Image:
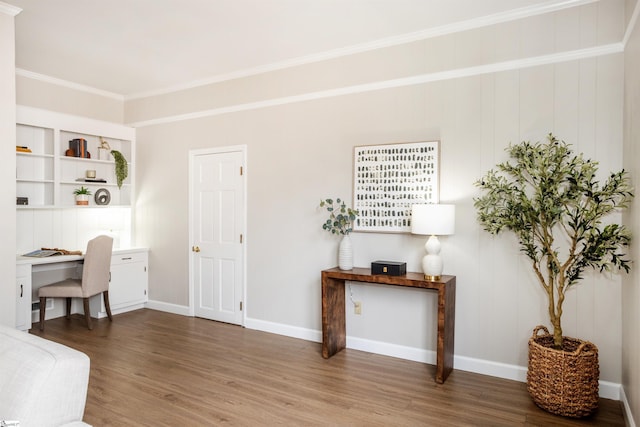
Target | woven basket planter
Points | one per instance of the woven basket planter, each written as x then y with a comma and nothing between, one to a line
563,382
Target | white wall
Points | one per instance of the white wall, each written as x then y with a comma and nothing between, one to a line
300,138
43,93
631,283
7,165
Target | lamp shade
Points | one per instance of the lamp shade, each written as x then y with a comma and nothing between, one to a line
433,219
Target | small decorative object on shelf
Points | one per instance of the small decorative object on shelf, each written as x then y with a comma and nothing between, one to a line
82,195
90,180
122,171
121,167
340,221
389,268
22,149
103,150
22,200
79,148
102,197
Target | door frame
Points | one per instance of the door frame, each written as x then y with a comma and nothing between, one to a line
192,155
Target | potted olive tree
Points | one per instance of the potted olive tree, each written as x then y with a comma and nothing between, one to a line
553,202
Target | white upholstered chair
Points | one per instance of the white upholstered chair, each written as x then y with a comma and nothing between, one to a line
95,280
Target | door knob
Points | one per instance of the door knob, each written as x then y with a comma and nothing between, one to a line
195,248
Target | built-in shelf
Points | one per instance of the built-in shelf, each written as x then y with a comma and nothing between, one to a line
47,176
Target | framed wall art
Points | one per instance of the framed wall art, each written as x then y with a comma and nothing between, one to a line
388,179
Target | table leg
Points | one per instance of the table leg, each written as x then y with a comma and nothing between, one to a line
334,334
446,329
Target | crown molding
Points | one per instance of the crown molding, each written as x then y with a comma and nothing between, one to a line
517,64
9,9
521,13
67,84
498,18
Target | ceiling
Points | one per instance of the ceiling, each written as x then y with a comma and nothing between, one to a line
135,47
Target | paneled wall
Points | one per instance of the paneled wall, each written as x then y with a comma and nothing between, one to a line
301,153
71,228
630,354
474,91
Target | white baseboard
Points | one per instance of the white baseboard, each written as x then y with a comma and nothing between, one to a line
169,308
608,390
491,368
628,415
122,310
286,330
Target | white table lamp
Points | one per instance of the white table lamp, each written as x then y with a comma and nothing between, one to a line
433,220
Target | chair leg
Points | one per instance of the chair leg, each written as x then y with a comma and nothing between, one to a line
43,308
105,296
87,313
68,308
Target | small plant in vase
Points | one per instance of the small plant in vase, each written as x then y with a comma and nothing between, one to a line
122,169
82,195
121,166
340,222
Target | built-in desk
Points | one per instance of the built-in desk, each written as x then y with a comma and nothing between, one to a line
55,259
333,310
127,287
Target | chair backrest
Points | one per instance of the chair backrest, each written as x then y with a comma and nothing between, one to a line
97,266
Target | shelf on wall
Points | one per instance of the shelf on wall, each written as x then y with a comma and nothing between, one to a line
57,207
45,175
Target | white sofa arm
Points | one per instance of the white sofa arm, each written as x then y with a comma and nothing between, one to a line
42,383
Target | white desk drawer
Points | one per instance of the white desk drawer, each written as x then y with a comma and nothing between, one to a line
127,258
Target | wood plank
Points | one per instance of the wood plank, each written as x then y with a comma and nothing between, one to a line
410,279
160,369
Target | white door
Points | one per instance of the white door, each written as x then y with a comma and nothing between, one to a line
217,222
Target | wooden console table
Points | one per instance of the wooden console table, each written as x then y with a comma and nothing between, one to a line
334,334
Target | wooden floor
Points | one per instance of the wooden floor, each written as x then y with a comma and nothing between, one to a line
150,368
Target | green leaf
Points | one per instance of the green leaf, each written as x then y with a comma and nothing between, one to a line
341,217
552,201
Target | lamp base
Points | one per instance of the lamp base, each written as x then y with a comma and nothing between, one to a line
432,262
